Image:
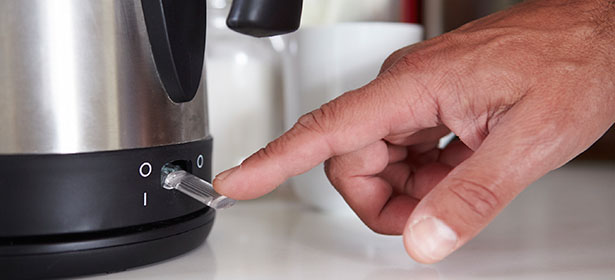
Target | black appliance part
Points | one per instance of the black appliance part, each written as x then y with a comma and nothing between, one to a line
176,31
97,212
107,252
263,18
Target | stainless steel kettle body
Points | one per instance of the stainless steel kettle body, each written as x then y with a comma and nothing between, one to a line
80,76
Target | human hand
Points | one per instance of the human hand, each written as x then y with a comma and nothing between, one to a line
526,90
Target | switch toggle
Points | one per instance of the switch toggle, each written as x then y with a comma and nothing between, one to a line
174,178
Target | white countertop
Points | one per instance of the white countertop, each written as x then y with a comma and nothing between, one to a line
561,227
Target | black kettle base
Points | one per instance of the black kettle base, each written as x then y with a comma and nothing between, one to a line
64,215
105,252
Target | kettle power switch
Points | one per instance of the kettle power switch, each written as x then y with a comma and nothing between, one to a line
195,187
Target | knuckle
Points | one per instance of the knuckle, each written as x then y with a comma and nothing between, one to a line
373,223
393,57
264,153
425,56
317,121
377,228
272,148
309,122
338,169
412,62
389,61
478,197
332,170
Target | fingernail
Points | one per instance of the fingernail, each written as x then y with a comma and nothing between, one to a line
226,174
431,239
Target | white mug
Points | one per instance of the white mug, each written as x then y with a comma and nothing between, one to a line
322,62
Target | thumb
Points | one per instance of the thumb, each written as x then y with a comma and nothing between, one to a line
518,151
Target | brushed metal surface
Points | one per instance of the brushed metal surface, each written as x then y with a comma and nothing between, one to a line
78,76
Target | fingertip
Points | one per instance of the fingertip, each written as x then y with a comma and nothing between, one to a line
223,175
237,183
221,185
428,239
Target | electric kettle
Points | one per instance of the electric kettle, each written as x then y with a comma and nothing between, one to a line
97,96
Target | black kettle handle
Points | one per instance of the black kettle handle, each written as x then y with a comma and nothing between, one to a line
263,18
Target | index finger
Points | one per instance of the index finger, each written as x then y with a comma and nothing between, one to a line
345,124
